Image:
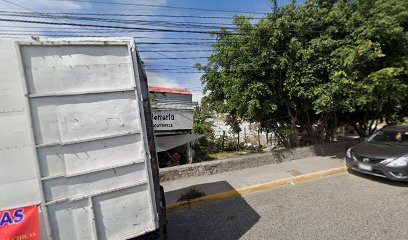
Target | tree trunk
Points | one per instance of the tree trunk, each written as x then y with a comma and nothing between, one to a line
310,132
360,131
294,134
259,139
238,139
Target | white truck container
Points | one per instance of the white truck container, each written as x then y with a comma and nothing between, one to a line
77,138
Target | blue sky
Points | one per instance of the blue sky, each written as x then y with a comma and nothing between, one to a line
161,72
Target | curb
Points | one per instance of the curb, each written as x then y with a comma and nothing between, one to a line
249,161
239,192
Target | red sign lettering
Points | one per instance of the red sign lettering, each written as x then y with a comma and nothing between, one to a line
20,223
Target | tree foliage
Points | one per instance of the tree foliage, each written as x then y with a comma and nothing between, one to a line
322,61
203,146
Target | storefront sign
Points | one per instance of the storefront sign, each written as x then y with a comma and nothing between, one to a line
173,120
20,223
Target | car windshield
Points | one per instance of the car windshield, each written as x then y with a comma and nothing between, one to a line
390,137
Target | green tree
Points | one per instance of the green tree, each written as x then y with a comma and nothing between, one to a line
204,145
328,61
200,123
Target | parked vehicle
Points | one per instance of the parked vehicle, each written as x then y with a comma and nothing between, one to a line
383,154
77,140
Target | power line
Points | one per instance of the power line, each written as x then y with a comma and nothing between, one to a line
143,29
54,35
68,33
158,58
60,30
55,28
147,15
202,71
196,25
173,73
178,51
185,38
126,20
175,43
158,48
51,35
107,26
167,69
162,65
139,43
162,54
79,34
161,6
31,10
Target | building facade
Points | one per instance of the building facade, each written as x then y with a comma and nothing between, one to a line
173,113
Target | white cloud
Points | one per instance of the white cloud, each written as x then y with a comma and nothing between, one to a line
159,80
66,5
197,96
14,29
162,81
51,6
37,5
194,84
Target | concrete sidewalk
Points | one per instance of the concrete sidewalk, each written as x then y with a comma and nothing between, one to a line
238,179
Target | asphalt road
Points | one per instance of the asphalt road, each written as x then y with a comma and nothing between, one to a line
341,206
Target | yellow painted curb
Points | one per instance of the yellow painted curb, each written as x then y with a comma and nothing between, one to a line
239,192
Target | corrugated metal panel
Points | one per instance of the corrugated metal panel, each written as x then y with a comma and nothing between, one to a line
18,183
81,158
67,119
10,80
169,90
107,215
88,133
19,193
69,69
75,216
67,79
171,101
92,184
73,55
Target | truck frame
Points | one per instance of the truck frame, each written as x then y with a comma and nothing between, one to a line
77,138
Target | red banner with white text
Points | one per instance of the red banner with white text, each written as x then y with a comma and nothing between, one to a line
20,224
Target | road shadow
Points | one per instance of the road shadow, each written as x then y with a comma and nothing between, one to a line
210,220
207,188
378,179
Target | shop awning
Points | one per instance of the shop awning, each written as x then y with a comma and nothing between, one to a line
169,142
